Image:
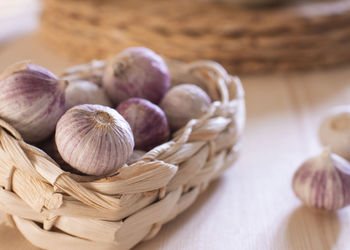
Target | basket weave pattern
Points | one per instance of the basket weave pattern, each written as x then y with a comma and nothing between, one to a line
54,209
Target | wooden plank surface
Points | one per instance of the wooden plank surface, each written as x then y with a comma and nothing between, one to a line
252,206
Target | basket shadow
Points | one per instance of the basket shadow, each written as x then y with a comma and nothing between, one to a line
311,229
178,222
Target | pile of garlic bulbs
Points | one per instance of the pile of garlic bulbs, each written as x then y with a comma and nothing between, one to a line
95,128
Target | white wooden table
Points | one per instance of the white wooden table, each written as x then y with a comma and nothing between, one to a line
252,206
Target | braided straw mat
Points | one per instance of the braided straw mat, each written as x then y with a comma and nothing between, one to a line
54,209
295,36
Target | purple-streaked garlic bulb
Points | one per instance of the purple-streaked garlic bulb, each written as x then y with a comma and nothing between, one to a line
323,182
183,103
147,121
32,100
136,72
94,139
84,92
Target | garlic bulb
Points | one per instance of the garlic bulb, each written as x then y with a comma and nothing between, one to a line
183,103
94,139
136,72
84,92
32,100
334,131
323,182
147,121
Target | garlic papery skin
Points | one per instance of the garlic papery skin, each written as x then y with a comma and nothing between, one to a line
32,100
94,139
136,72
84,92
183,103
323,182
334,131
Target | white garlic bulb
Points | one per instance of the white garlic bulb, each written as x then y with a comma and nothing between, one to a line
84,92
31,100
94,139
183,103
334,131
323,182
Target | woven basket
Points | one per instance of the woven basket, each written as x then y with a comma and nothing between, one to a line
54,209
296,36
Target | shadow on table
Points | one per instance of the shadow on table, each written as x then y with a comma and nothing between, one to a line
170,228
311,229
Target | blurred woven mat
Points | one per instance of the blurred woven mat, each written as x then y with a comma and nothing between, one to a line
296,36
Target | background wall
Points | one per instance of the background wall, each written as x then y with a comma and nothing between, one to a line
17,17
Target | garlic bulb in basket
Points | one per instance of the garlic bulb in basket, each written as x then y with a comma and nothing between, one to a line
84,92
147,121
183,103
136,72
32,100
94,139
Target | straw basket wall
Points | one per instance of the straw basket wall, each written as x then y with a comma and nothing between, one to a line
54,209
296,36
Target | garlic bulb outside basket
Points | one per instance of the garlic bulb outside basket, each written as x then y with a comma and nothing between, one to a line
94,139
323,182
334,131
